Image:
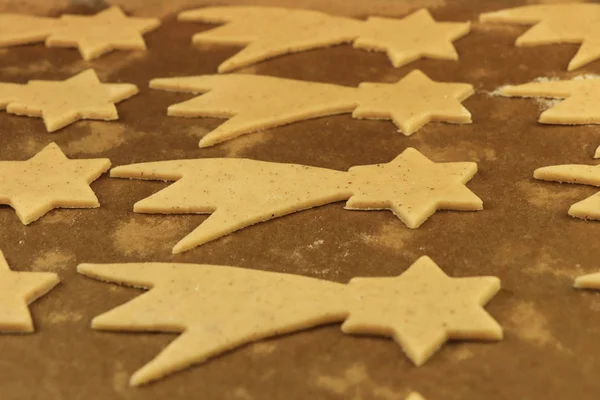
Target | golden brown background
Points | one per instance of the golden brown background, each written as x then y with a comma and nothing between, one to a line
524,236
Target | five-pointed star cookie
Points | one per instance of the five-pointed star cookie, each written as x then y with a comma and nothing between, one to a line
580,174
49,180
17,290
268,32
589,281
219,308
93,35
61,103
581,104
255,103
557,23
96,35
241,192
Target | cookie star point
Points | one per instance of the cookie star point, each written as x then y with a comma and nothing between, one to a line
49,180
17,290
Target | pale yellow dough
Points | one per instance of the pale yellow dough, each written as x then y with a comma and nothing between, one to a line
17,290
93,35
60,103
242,192
581,104
580,174
557,23
219,308
415,396
49,180
255,103
597,152
590,281
267,32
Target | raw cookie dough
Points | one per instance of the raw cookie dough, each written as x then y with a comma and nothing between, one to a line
17,290
49,180
590,281
242,192
93,35
267,32
580,174
220,308
556,23
60,103
581,104
597,152
255,103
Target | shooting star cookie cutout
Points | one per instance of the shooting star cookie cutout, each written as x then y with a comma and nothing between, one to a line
420,309
580,174
556,23
253,103
267,32
242,192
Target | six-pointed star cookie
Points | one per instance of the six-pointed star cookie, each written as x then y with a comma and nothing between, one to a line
254,102
581,104
420,309
61,103
580,174
269,31
411,38
95,35
414,101
49,180
17,290
557,23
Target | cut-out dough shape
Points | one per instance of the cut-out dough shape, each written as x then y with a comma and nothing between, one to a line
243,192
580,174
581,104
256,102
556,23
219,308
590,281
597,153
267,32
93,35
415,396
60,103
47,181
17,291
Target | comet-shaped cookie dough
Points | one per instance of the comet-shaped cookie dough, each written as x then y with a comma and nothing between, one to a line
220,308
254,103
267,32
557,23
581,104
580,174
241,192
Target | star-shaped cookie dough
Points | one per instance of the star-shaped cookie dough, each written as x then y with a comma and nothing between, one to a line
93,35
589,281
254,102
557,23
580,174
423,308
242,192
414,101
49,180
17,290
269,31
411,38
219,308
413,187
581,104
60,103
